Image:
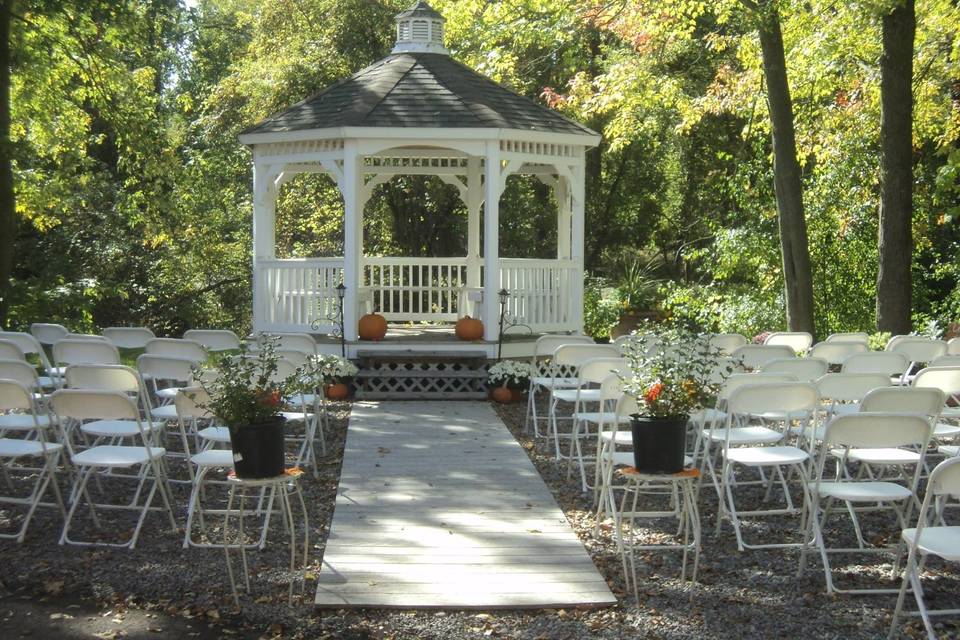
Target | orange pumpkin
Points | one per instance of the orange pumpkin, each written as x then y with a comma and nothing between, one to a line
336,391
468,328
502,395
373,326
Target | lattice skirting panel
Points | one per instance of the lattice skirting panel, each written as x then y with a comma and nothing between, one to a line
423,380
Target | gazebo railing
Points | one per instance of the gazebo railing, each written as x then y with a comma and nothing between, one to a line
415,289
299,294
541,292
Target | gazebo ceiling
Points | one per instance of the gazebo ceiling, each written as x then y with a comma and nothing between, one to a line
419,89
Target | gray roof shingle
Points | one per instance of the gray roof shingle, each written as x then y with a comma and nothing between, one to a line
418,90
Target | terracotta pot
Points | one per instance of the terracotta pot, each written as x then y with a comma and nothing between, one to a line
506,395
468,328
372,326
336,391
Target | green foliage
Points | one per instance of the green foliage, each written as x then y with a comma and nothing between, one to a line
601,309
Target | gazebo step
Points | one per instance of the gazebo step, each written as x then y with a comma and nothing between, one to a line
403,373
421,395
422,375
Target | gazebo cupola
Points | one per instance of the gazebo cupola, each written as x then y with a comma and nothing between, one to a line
420,29
419,112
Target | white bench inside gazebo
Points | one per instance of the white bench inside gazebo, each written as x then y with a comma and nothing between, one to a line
419,112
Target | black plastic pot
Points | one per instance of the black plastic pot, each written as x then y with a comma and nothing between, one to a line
659,444
258,450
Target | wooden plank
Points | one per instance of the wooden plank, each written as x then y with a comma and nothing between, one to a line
440,507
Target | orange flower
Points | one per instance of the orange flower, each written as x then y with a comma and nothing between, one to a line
653,393
271,399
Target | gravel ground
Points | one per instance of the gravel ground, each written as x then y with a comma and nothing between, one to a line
754,594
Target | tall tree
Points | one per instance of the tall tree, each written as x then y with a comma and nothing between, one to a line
8,220
797,279
894,281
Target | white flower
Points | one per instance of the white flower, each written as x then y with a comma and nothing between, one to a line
509,373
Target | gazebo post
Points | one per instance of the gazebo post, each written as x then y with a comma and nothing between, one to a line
577,205
561,192
491,239
474,202
264,234
353,202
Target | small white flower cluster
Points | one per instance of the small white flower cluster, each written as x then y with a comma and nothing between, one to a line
509,373
332,368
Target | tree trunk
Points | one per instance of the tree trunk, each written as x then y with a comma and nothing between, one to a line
8,220
797,280
895,242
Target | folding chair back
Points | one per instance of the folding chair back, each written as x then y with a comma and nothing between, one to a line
285,369
953,347
192,402
85,336
48,334
546,345
894,340
166,367
596,370
754,356
947,379
805,369
850,336
103,377
877,430
27,343
920,349
294,356
177,348
20,371
726,343
303,342
129,337
797,340
70,351
791,398
214,339
10,350
574,355
850,387
837,351
946,361
87,404
737,380
926,402
14,396
626,406
885,362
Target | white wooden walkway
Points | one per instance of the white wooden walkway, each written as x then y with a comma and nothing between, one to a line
439,507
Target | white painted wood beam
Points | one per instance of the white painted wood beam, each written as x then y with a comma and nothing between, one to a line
493,186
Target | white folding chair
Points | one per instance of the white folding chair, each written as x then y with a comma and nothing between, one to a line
19,412
850,336
542,377
564,387
11,351
177,348
31,347
300,409
755,356
214,339
804,369
891,364
128,337
302,342
726,343
926,539
946,361
841,393
918,351
47,333
82,351
861,431
785,402
83,404
947,380
799,341
837,351
114,378
179,373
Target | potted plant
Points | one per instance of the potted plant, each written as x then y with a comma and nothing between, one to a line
247,397
508,379
673,372
638,292
335,373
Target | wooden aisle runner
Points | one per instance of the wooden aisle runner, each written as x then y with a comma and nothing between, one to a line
439,506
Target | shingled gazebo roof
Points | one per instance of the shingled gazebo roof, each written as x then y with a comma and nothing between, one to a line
418,90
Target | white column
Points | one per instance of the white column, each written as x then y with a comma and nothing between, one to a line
578,197
474,202
561,193
352,190
264,237
491,241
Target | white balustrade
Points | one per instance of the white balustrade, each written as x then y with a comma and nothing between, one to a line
415,289
299,294
541,292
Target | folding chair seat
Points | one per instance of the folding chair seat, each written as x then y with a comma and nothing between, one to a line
918,351
129,337
927,539
214,340
836,352
799,341
47,333
863,431
84,404
565,385
753,357
726,343
850,336
16,400
804,369
543,377
787,401
177,348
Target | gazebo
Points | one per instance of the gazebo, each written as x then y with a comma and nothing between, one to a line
419,112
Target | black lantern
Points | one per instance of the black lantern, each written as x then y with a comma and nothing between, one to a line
341,291
503,294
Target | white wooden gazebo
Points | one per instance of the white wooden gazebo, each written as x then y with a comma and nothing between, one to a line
419,112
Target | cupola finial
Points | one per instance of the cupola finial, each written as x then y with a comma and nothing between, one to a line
420,30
